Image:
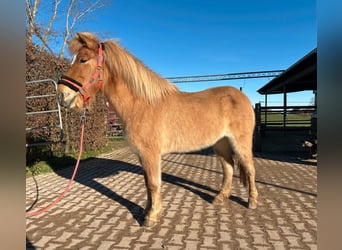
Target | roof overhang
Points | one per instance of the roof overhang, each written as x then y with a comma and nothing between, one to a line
301,76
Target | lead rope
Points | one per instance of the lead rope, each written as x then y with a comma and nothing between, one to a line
83,120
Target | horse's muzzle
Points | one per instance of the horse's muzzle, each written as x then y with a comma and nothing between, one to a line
64,101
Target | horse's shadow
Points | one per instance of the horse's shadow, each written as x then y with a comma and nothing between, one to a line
88,174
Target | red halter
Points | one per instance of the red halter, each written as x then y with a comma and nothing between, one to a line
83,89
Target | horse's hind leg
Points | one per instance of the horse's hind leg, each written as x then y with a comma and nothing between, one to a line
224,152
248,165
247,172
152,175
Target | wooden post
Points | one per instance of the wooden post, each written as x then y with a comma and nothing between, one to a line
285,111
265,110
257,130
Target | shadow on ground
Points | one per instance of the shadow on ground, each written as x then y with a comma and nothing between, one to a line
111,167
114,167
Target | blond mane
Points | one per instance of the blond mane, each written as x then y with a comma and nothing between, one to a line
142,81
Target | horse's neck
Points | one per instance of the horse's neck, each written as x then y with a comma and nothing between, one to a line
122,99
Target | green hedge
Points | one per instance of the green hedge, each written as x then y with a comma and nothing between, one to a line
42,65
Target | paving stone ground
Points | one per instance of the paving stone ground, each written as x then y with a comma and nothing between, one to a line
103,209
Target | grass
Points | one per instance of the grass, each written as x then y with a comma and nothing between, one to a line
55,162
292,120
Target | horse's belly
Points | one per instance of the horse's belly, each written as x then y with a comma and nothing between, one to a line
192,137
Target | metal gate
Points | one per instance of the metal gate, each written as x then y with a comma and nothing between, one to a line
115,125
48,112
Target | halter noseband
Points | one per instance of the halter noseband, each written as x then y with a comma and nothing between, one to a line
77,86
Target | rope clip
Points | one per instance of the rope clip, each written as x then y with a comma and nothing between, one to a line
83,116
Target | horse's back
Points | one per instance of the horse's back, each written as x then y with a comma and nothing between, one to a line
222,101
199,119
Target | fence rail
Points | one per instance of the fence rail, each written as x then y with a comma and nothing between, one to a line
285,118
115,125
45,111
302,119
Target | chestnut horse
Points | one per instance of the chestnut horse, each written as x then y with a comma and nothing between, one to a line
158,118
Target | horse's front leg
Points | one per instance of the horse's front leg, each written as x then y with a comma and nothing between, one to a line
152,175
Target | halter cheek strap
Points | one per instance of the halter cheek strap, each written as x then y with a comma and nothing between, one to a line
83,89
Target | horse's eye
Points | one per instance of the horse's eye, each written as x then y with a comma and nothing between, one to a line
82,60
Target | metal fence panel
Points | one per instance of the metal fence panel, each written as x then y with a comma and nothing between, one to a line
32,114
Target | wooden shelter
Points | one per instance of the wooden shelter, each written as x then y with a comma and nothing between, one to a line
301,76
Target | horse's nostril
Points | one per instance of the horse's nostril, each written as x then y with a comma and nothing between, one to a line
60,98
65,99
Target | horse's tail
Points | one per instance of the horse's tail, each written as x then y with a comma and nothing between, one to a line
243,175
240,164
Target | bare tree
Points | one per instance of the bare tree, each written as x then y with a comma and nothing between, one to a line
52,19
31,11
69,12
75,13
33,27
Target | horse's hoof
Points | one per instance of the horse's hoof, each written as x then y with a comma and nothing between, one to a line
220,198
149,223
252,204
217,200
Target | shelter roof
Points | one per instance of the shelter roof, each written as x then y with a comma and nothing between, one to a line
301,76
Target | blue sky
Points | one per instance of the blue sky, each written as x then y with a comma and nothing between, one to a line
188,37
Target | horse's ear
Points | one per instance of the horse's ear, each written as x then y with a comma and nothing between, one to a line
81,39
88,40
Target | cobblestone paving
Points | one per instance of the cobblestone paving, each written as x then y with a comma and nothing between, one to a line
103,209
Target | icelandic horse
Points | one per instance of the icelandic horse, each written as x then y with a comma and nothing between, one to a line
158,118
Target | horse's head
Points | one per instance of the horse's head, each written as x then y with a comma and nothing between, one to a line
79,85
